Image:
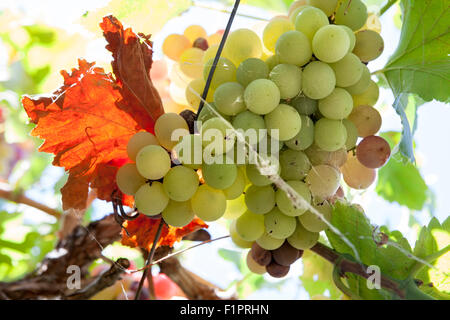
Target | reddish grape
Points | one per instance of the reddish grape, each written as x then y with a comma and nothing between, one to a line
373,152
276,270
260,255
201,43
286,254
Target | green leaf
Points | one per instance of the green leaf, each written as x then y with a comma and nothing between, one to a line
232,256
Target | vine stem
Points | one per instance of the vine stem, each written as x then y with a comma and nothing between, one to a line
386,7
22,199
228,11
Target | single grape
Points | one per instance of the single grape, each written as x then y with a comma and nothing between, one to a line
178,214
348,70
272,61
153,162
273,30
330,135
138,141
229,98
294,165
309,20
369,45
312,222
248,120
352,13
151,199
305,137
332,158
294,13
294,47
235,207
189,151
174,45
356,175
180,183
220,174
303,239
286,120
373,152
194,32
262,96
128,179
367,120
236,238
266,241
279,225
253,266
368,97
286,254
250,226
208,204
225,72
201,43
276,270
260,200
169,128
191,62
318,80
238,186
331,43
352,134
323,181
260,255
304,105
337,106
288,79
362,84
242,44
288,205
327,6
251,69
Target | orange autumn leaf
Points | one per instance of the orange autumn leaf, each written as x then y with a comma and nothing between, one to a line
142,231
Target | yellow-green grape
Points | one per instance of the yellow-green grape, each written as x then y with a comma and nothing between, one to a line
330,135
250,226
305,137
189,151
312,222
169,128
288,79
272,61
368,97
331,43
367,120
191,62
266,241
180,183
238,186
138,141
323,181
279,225
217,128
260,200
153,162
309,20
261,96
248,120
128,179
242,44
352,13
174,45
294,47
194,32
209,204
255,176
273,30
318,80
236,238
151,199
294,164
337,106
229,98
210,111
362,84
356,175
194,91
287,205
294,13
253,266
304,105
327,6
352,134
225,72
235,208
303,239
178,214
220,175
286,120
318,156
210,53
251,69
348,70
351,36
369,45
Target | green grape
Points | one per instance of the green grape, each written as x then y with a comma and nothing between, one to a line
220,175
138,141
191,62
309,20
292,207
169,128
210,53
318,156
304,105
209,204
266,241
178,214
337,106
225,72
327,6
330,44
279,225
318,80
348,70
262,96
258,179
329,135
250,70
229,98
151,199
210,111
351,36
369,45
128,179
312,222
260,200
294,47
351,13
153,162
217,135
189,151
303,239
253,266
367,120
248,120
242,44
236,238
235,208
305,137
288,79
352,134
238,186
323,181
180,183
294,165
194,91
273,30
368,97
250,226
362,84
272,61
294,13
286,120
